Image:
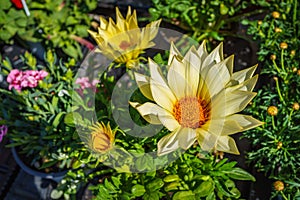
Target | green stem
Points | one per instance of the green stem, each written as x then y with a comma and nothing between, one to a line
201,37
273,123
279,92
291,113
283,195
276,66
282,60
236,18
295,15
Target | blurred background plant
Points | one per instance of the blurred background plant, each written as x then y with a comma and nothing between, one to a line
205,19
276,144
60,25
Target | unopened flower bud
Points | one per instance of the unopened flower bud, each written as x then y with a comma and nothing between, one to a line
259,22
275,78
278,185
278,30
293,53
275,14
298,72
296,106
273,57
295,69
272,110
283,45
279,145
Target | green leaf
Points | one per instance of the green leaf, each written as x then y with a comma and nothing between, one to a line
223,9
109,186
4,5
239,174
138,190
56,194
116,181
186,195
22,22
48,164
57,119
204,189
155,185
71,20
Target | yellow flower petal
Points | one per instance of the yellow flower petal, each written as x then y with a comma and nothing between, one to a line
162,95
243,75
143,83
168,143
227,144
173,52
214,57
245,121
186,137
156,73
202,52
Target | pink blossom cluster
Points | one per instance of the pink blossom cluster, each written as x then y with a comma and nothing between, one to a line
21,79
85,83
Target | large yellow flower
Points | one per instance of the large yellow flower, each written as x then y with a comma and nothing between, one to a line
123,41
198,100
102,138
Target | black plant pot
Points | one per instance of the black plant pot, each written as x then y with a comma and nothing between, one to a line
55,176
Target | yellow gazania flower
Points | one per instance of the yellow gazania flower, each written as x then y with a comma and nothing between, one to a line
123,41
102,138
198,100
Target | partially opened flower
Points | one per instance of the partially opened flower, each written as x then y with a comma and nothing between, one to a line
198,100
102,138
124,41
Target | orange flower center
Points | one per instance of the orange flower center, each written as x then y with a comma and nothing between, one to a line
124,45
191,112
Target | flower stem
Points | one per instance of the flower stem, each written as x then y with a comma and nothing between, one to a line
283,195
276,66
282,60
279,92
273,123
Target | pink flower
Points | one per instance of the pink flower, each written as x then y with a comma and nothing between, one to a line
85,83
30,78
29,81
3,131
14,79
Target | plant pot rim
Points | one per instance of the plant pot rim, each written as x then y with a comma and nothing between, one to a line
56,176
